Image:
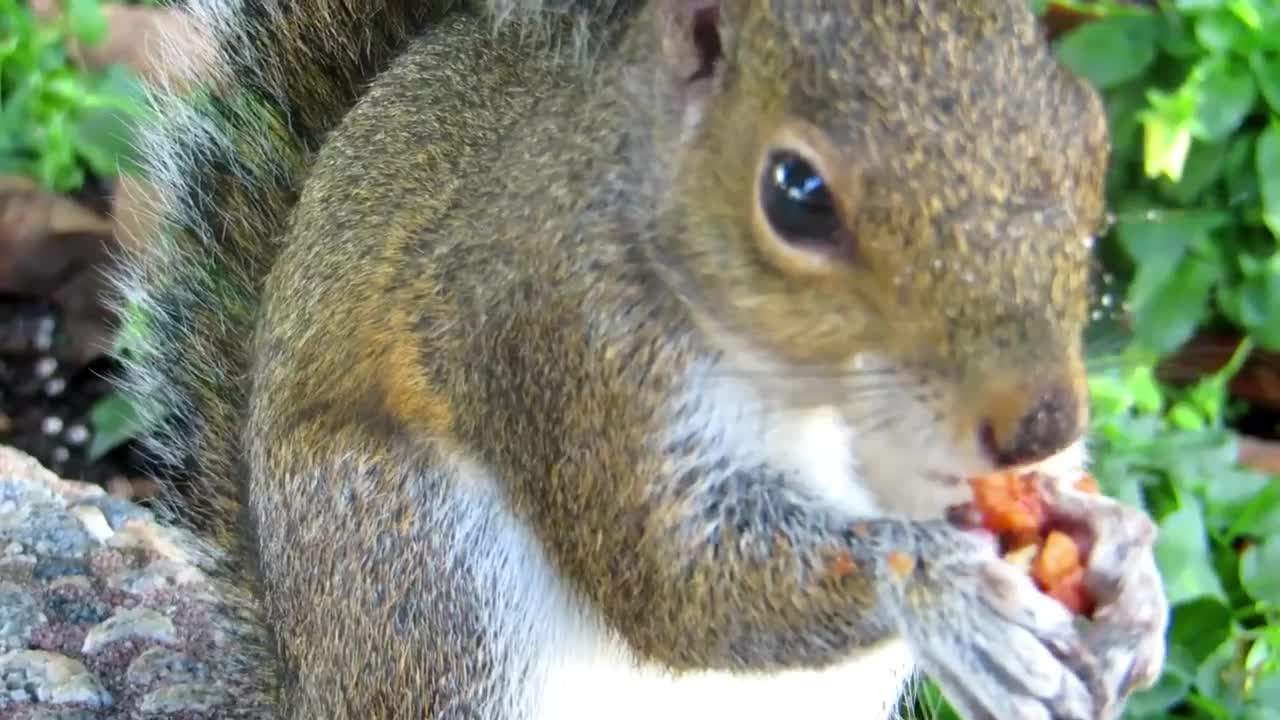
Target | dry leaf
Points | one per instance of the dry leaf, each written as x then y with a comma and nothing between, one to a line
52,247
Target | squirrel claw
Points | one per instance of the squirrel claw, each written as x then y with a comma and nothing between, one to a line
1128,629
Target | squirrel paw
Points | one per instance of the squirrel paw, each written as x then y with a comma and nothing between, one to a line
1002,650
1127,633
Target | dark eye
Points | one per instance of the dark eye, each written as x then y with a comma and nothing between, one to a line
796,201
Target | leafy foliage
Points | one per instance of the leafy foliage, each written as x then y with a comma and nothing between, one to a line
59,123
1192,88
1193,93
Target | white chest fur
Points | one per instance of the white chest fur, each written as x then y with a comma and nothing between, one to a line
604,684
587,673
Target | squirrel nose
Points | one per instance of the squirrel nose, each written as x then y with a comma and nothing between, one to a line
1019,431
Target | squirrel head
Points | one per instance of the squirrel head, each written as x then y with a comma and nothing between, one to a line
886,207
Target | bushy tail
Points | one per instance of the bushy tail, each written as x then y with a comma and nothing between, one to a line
224,162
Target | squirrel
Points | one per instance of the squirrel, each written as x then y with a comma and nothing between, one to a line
614,359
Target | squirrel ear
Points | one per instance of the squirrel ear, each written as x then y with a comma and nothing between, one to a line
689,40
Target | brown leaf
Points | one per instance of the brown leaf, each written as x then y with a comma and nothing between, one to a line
53,248
1259,454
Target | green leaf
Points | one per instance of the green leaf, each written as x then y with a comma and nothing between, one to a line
1112,50
1226,94
1260,571
1262,712
87,20
1266,73
1239,172
1167,125
1268,168
1170,690
1190,6
1260,302
1218,679
1177,308
115,421
1192,458
1199,627
1156,248
1224,32
1267,693
1244,502
1202,168
1182,553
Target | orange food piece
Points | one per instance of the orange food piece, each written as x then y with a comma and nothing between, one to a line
1057,559
1072,592
1087,484
901,564
1010,507
843,565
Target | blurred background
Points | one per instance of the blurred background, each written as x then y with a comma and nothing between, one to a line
1185,352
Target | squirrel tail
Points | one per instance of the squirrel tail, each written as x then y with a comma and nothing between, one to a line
223,162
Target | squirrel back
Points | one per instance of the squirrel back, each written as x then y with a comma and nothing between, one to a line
224,164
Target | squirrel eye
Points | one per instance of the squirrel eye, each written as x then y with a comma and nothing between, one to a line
796,201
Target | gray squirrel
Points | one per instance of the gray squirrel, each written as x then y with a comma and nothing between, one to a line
620,359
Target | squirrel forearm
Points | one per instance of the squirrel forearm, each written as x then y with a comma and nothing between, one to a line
747,573
742,569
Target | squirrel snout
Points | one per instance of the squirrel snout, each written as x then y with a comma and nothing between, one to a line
1019,428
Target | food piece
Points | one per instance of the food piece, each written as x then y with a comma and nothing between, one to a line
1008,505
843,565
1087,484
1072,592
1057,558
901,564
1024,557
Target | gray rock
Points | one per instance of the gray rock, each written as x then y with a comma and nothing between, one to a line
63,714
20,614
184,697
75,610
48,677
48,530
157,575
50,568
177,651
132,624
165,666
118,512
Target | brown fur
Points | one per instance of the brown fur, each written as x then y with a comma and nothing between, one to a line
505,259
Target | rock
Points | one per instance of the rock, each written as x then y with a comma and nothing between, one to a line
158,575
134,624
73,609
46,530
118,513
105,614
48,677
164,666
63,714
58,567
20,614
94,522
184,697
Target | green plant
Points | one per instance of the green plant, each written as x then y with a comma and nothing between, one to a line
1174,454
59,123
1193,92
1192,88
